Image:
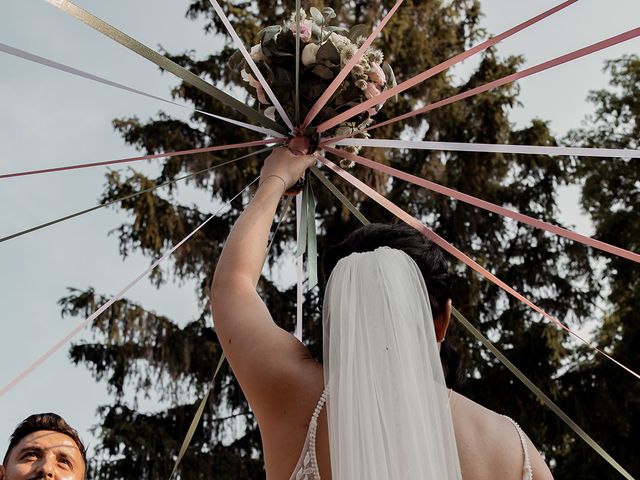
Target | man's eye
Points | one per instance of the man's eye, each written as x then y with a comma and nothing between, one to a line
30,454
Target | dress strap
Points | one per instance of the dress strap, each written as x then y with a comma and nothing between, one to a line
313,429
527,473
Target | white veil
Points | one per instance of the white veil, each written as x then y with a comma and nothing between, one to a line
388,408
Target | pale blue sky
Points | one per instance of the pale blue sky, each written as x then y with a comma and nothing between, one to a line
49,118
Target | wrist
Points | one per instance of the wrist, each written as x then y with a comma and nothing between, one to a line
272,181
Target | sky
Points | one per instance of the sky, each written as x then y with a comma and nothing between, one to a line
49,118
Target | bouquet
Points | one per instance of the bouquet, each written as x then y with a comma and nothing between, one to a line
325,49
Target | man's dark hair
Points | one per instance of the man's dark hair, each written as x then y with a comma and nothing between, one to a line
45,421
430,260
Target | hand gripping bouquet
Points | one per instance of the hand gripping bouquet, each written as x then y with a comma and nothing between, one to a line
325,49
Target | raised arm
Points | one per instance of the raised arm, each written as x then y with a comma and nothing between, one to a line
263,357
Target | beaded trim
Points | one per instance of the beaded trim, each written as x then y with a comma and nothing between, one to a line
527,473
313,428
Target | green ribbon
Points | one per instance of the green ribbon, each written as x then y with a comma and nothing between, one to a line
307,237
494,350
339,195
540,394
163,62
196,420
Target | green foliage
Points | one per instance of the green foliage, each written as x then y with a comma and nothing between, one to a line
150,353
605,399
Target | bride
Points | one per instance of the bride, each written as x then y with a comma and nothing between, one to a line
379,408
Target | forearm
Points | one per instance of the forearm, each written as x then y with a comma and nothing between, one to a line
243,254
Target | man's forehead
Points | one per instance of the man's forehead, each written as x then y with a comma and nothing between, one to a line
48,439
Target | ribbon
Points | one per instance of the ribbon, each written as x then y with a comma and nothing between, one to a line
16,52
540,394
307,240
378,99
435,238
486,147
297,92
324,98
596,47
252,64
513,369
299,268
163,62
196,419
192,151
339,195
127,197
58,345
476,202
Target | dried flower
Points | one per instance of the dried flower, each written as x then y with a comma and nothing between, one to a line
309,53
371,90
256,53
250,79
376,74
270,112
340,41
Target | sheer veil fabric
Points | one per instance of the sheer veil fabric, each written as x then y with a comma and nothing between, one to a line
388,408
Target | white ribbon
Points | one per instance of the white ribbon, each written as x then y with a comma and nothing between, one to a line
489,148
16,52
252,64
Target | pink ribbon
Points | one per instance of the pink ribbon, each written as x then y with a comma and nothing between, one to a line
609,42
477,202
145,157
431,235
437,69
324,98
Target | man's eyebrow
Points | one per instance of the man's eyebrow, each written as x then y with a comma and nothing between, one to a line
30,447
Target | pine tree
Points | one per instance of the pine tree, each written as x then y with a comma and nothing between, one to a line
604,398
135,346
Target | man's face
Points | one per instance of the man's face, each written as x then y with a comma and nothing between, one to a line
44,455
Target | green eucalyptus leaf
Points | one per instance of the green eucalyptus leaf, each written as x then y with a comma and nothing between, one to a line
317,16
328,13
391,78
269,36
272,28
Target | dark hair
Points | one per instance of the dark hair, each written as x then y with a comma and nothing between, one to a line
430,260
45,421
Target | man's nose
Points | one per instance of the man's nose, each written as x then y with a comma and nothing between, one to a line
47,467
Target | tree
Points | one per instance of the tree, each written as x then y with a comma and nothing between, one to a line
611,197
135,346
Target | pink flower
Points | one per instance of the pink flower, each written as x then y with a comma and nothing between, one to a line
376,74
371,90
305,30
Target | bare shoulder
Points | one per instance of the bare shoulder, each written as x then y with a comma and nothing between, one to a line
489,444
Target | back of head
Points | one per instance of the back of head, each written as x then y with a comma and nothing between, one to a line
430,261
44,422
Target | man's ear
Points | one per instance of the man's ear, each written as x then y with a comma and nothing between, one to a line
441,322
1,472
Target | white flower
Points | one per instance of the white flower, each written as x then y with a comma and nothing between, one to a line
256,53
309,53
